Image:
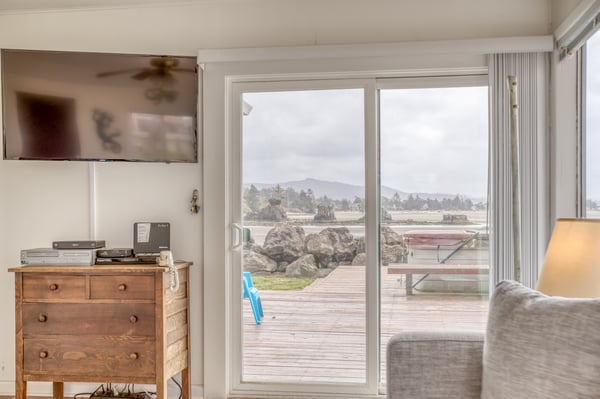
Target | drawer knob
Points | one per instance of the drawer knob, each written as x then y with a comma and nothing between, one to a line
53,287
42,318
43,354
122,287
134,356
133,318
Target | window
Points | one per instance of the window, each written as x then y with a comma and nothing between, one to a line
592,126
229,79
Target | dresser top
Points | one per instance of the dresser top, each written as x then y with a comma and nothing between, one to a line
114,268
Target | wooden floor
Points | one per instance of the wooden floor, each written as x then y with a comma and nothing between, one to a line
318,334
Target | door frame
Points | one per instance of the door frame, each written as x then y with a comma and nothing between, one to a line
370,137
220,68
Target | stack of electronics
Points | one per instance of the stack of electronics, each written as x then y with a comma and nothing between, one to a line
72,253
148,240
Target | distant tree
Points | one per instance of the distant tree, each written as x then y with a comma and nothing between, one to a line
291,198
359,203
468,204
253,199
344,205
306,201
278,192
324,200
396,201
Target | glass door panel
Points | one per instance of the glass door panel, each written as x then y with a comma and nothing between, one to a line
433,194
303,190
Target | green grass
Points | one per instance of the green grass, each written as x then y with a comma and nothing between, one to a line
275,283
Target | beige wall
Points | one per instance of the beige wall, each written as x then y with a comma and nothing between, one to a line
41,202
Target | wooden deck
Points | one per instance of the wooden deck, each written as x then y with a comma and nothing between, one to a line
318,334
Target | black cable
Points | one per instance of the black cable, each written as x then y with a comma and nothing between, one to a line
180,387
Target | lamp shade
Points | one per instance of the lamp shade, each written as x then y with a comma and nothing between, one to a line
572,264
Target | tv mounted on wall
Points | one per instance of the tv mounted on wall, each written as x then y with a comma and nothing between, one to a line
98,106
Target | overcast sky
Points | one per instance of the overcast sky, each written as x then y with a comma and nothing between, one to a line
593,117
432,140
435,140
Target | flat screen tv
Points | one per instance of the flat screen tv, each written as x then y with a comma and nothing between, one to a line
98,106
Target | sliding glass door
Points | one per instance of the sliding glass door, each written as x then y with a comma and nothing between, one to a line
359,210
302,306
434,230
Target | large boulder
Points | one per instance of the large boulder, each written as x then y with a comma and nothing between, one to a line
305,267
390,237
275,213
361,245
343,243
393,247
255,262
393,254
284,243
320,247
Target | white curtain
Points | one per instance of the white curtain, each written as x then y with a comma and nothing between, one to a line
532,74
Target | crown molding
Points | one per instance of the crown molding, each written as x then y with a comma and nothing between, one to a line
45,6
466,46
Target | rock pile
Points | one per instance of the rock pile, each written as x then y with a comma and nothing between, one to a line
273,212
288,250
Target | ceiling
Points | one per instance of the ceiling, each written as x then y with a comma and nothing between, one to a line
45,5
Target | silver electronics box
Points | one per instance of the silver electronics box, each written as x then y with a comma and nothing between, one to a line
49,256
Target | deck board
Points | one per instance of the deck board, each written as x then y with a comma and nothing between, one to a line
318,334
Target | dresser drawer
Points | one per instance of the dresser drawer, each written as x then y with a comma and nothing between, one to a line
53,287
122,287
129,319
90,356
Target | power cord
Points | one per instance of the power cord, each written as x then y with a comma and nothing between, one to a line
179,385
106,391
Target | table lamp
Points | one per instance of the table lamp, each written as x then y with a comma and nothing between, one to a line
572,264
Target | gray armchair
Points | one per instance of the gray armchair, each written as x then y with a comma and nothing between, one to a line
535,347
434,365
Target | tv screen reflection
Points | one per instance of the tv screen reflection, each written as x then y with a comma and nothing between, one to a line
90,106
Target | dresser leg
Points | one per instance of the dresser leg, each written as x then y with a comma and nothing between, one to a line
58,390
186,385
21,389
161,389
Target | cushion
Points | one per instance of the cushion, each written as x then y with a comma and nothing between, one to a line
540,347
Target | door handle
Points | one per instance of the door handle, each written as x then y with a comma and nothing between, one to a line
238,232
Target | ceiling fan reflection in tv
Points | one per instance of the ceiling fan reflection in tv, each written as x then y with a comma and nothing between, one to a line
99,106
161,71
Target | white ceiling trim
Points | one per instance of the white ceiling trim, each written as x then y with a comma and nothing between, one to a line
42,6
575,17
468,46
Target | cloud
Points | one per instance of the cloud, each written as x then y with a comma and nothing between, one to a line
432,140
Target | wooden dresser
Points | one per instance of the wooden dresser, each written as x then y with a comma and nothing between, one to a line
110,323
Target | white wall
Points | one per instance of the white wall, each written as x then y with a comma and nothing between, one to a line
41,202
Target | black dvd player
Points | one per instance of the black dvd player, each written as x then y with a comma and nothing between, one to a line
115,253
78,244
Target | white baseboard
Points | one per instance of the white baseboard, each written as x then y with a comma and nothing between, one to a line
7,388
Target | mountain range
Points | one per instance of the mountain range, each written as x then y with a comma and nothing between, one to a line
339,191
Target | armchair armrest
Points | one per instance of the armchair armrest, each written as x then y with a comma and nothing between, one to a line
427,365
